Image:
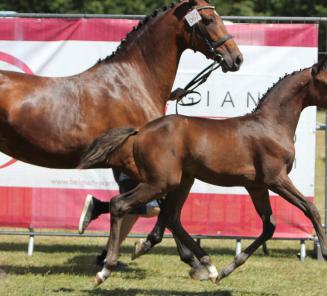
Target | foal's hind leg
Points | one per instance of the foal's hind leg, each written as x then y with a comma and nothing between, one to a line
120,206
285,188
260,199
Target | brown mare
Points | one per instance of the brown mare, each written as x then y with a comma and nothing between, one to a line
167,154
50,121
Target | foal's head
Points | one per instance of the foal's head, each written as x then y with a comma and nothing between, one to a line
204,30
318,84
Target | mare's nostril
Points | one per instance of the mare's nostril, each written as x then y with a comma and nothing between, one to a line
238,60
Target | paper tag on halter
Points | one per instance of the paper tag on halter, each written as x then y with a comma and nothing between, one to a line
193,17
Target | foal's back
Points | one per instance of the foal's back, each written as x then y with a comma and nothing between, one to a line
229,152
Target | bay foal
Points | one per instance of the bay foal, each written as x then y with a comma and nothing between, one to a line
255,151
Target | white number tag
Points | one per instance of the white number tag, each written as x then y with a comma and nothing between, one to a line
193,17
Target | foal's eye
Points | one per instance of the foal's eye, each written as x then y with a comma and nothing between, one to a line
207,20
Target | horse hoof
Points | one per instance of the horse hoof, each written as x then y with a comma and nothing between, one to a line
214,280
138,250
218,279
199,273
98,280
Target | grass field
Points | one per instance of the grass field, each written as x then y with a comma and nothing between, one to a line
65,266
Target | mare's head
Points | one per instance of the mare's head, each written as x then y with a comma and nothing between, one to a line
318,84
203,30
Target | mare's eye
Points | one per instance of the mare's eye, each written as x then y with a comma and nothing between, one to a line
207,20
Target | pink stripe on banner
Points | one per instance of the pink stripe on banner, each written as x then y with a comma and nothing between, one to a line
65,29
297,35
300,35
206,214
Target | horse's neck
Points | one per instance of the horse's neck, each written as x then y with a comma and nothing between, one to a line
149,61
285,102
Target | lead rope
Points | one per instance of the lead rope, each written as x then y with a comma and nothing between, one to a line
179,93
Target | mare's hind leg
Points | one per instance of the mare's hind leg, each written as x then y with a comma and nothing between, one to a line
154,237
260,199
285,188
120,206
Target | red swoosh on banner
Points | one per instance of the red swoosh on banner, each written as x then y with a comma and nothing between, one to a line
15,61
8,163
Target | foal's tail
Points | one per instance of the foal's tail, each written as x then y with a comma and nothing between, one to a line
100,150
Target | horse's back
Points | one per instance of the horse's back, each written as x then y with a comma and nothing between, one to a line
38,110
197,146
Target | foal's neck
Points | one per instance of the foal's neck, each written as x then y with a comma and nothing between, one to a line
284,103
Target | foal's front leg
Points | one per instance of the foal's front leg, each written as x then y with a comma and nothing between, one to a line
260,199
189,251
172,216
285,188
120,206
198,271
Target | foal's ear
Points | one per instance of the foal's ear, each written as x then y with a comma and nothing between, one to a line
321,66
193,2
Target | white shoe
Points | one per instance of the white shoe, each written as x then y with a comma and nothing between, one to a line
86,216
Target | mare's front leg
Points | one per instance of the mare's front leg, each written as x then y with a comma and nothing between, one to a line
120,206
260,199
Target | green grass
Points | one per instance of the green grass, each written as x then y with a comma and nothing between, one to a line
65,266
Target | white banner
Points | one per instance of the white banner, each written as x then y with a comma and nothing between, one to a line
223,95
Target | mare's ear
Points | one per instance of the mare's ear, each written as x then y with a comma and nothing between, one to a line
193,3
322,65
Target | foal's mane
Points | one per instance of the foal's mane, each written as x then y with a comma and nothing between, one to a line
270,89
132,34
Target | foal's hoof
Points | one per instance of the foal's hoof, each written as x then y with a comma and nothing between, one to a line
219,278
199,273
98,280
138,249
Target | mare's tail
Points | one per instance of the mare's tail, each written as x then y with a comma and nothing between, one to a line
98,152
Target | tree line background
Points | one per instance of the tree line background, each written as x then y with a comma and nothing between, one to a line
225,7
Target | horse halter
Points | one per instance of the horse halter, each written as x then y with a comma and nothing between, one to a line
205,35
